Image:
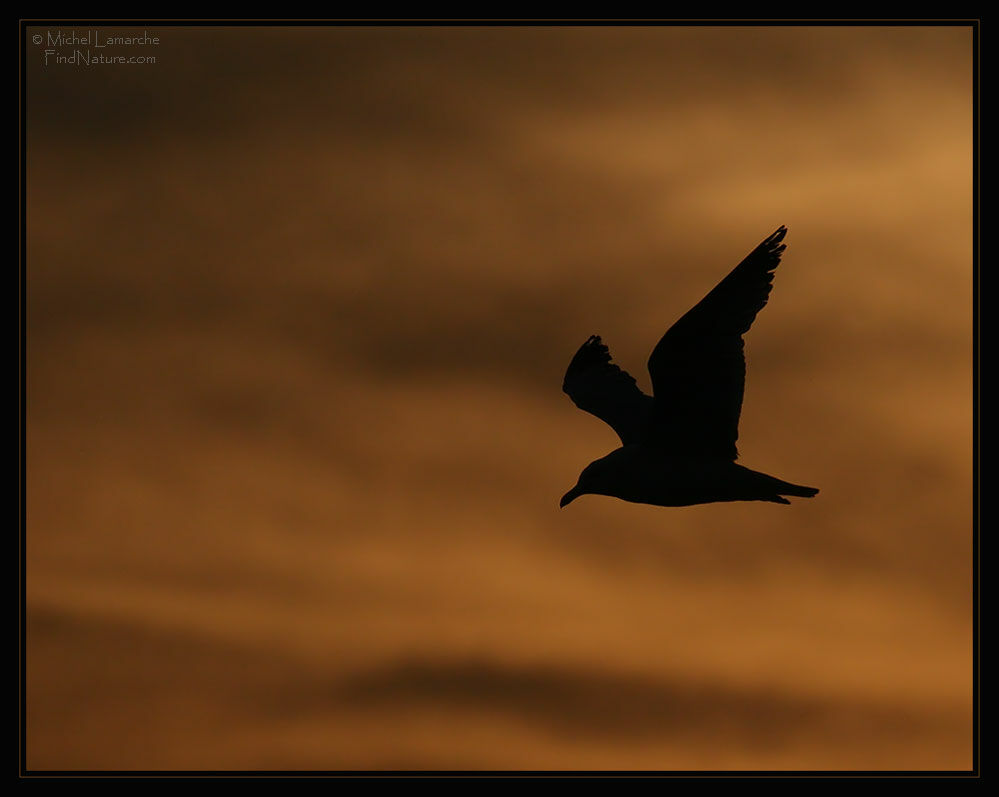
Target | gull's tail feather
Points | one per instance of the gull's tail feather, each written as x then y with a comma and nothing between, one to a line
798,490
773,490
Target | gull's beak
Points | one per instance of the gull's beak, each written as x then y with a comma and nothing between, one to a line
570,496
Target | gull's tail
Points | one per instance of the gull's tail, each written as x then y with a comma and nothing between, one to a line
797,489
770,488
782,488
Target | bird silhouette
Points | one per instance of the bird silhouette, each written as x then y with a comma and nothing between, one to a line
678,447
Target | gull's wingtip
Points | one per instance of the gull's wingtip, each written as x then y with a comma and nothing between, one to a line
773,241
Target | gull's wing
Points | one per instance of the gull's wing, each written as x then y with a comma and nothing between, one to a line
698,369
599,387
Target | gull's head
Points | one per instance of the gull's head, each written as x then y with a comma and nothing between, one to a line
591,481
571,496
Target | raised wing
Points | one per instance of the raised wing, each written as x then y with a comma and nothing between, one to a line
600,388
698,369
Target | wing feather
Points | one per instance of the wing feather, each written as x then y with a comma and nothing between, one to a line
698,368
601,388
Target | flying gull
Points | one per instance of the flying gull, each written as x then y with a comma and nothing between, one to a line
678,448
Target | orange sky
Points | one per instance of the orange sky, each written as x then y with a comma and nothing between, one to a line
299,304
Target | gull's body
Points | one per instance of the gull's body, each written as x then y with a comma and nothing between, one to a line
678,447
